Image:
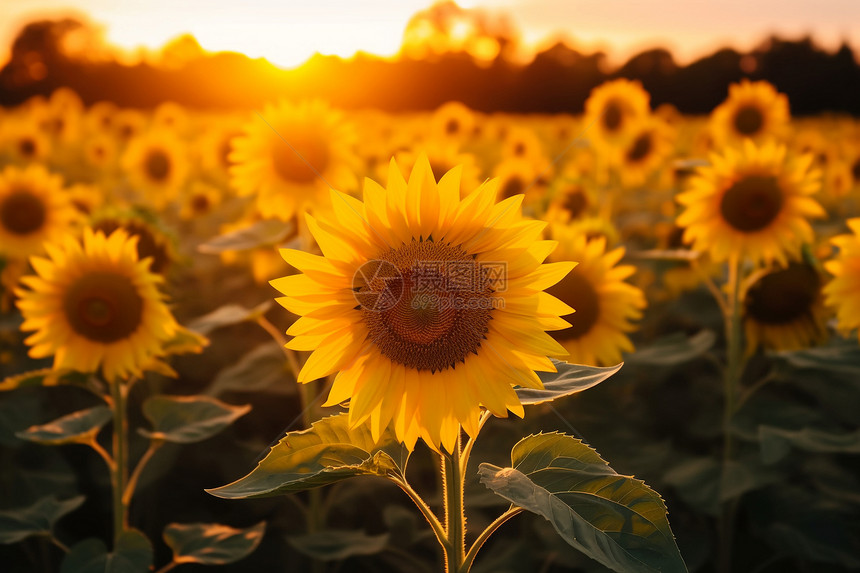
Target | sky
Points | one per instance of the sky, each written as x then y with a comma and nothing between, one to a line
287,31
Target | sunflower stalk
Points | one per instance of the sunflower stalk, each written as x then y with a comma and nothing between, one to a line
453,480
119,470
731,381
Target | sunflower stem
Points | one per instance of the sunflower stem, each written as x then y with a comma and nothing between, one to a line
455,517
482,538
119,469
731,380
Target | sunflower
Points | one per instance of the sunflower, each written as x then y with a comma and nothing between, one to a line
452,121
100,151
24,141
522,177
843,291
157,164
522,142
572,198
200,200
784,309
33,209
752,201
649,146
753,110
151,242
605,304
291,155
443,157
612,109
95,305
427,306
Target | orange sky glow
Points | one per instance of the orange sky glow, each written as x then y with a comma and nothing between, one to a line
288,32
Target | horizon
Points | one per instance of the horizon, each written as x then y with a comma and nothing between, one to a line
132,34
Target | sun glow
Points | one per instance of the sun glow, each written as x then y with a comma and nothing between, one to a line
285,33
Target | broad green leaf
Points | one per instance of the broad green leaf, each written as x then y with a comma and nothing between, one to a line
777,442
78,427
334,545
569,379
263,369
705,482
614,519
227,315
47,377
674,349
132,554
36,519
212,543
841,356
327,452
261,234
188,419
185,341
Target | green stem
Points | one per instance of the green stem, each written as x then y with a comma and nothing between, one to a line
425,510
482,538
731,381
119,469
455,517
154,445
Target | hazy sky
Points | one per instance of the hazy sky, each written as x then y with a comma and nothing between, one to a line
288,31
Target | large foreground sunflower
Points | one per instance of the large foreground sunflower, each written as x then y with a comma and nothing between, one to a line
290,156
752,201
605,304
784,309
843,290
34,208
95,305
427,306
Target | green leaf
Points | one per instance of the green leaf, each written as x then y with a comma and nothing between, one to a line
36,519
777,442
841,356
570,379
188,419
614,519
78,427
705,483
327,452
264,368
334,545
674,349
132,554
212,543
47,377
228,315
261,234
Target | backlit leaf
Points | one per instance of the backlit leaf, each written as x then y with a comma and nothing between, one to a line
569,379
261,234
187,419
334,545
132,554
227,315
78,427
614,519
36,519
327,452
212,543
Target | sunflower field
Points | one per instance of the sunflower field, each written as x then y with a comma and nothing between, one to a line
270,340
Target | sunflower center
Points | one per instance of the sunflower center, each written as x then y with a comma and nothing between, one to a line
301,160
748,120
613,116
578,292
752,203
575,203
22,212
27,147
157,165
640,149
103,306
783,296
426,305
200,203
855,170
513,186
